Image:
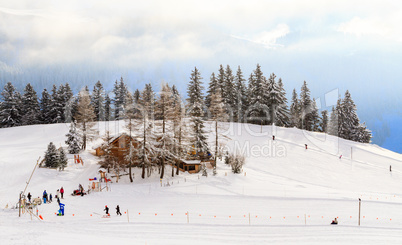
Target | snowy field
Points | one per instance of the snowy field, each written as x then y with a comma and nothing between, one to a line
286,194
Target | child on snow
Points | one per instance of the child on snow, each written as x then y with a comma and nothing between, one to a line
61,192
118,210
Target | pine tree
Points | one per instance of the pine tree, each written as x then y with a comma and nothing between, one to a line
165,111
229,95
195,108
306,108
258,110
85,118
295,111
68,103
120,91
98,101
45,107
217,109
56,108
108,109
62,163
241,94
30,106
315,117
282,113
144,125
324,121
213,87
179,128
221,80
129,110
73,139
350,120
333,123
51,156
10,114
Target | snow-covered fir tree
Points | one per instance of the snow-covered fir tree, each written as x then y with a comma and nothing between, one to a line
98,101
56,107
30,106
212,88
282,113
324,121
229,94
295,113
315,117
45,107
51,156
306,108
165,111
120,92
62,163
333,123
217,110
350,120
85,118
73,139
10,114
195,105
129,115
180,128
241,94
108,109
258,110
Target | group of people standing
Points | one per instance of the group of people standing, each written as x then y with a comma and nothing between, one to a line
48,198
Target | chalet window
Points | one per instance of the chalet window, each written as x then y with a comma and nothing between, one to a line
191,167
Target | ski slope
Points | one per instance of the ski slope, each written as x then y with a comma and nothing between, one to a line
286,194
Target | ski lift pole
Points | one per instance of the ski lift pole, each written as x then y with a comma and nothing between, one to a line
37,163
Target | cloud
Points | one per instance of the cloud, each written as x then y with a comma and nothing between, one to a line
268,38
387,26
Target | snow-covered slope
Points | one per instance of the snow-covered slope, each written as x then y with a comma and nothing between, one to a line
284,192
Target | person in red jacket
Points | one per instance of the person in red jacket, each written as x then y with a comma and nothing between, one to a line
61,192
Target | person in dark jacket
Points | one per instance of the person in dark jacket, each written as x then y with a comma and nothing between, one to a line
44,196
118,210
106,209
29,196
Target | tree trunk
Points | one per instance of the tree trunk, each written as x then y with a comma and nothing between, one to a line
129,172
216,142
163,167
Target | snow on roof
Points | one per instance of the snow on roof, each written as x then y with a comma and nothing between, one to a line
192,161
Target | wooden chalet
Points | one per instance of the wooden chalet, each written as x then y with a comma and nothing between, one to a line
119,147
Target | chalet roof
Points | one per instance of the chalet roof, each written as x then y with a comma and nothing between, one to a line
194,162
114,139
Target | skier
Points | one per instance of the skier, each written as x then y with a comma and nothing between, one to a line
118,210
50,198
57,193
305,146
29,196
44,197
106,209
390,168
273,137
334,222
61,192
340,157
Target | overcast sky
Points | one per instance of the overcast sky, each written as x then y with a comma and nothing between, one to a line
355,45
